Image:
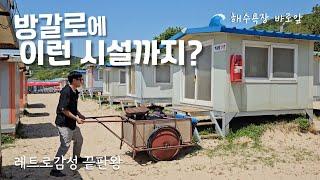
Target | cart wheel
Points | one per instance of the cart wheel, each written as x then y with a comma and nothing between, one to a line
162,137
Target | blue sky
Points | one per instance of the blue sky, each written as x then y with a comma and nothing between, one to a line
144,19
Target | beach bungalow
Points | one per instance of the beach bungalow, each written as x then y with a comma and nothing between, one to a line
244,72
93,78
316,77
12,73
114,82
139,83
150,84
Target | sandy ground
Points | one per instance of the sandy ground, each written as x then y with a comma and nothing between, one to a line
286,153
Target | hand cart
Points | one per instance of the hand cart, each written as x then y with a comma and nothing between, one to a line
161,138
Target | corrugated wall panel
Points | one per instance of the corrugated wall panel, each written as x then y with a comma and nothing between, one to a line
4,90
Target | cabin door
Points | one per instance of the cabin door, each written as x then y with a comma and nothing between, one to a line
132,80
197,86
107,82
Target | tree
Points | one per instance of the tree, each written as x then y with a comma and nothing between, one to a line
168,33
315,24
310,24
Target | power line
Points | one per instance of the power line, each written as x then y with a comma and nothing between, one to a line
17,7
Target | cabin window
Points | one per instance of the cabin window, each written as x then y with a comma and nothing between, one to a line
122,77
317,70
283,63
162,74
100,74
266,61
256,62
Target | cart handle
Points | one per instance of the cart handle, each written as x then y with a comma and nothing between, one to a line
110,130
85,121
123,119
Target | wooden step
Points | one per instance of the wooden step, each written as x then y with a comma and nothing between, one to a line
202,117
205,123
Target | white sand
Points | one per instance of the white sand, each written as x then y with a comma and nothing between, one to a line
286,155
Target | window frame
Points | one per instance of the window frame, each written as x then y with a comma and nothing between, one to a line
107,80
125,76
270,47
100,71
155,75
318,61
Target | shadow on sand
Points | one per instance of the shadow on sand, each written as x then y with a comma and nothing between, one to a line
36,105
143,158
42,114
40,130
16,172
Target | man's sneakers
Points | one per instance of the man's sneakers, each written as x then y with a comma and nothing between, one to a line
56,173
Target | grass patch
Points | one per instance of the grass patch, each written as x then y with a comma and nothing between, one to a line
206,131
116,107
246,143
252,131
303,124
7,139
240,140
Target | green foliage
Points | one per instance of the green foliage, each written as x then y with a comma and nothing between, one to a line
310,24
7,139
252,131
47,72
303,123
206,131
234,144
168,33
